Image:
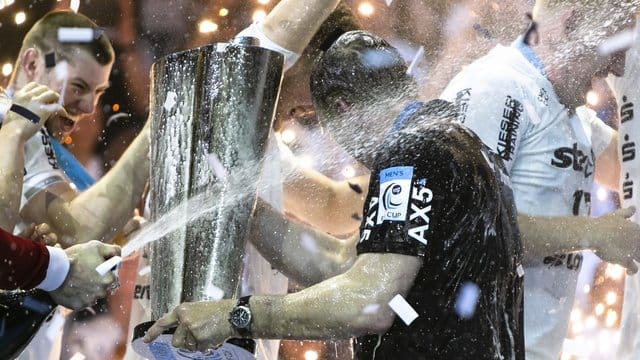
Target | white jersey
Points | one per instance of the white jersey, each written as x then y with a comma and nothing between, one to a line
550,154
627,94
41,168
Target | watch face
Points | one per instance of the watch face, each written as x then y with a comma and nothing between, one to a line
241,317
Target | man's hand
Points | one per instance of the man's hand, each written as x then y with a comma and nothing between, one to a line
83,285
40,233
202,326
38,100
620,242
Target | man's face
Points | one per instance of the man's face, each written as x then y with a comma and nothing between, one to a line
593,62
80,86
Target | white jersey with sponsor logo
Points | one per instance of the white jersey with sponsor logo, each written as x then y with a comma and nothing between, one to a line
40,165
627,95
550,154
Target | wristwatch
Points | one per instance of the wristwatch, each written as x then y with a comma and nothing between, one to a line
240,317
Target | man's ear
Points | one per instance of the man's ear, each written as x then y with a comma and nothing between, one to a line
29,63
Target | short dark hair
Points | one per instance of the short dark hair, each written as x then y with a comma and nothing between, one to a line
44,36
359,68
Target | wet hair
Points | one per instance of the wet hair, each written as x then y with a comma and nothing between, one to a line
359,70
44,37
594,12
340,21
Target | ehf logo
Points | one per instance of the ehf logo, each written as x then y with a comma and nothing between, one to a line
393,196
395,190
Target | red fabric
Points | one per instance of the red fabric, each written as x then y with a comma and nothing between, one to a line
23,263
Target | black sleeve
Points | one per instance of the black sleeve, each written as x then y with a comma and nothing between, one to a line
406,198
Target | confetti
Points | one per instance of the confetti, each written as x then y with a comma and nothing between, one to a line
170,101
116,117
74,5
356,188
309,243
377,59
69,34
388,2
78,356
416,60
520,270
216,165
214,292
371,309
50,60
467,300
620,41
144,271
402,308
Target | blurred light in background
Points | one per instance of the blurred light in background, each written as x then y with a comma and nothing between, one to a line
7,69
592,98
20,17
258,15
310,355
366,9
207,26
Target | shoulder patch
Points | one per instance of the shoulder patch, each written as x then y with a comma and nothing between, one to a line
395,191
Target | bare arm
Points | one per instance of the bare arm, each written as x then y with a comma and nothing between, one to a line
332,309
103,209
306,255
292,23
15,131
608,165
11,171
612,237
332,206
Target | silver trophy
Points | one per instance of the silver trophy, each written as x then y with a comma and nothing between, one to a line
211,112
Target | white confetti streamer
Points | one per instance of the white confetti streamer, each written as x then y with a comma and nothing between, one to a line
403,309
388,2
214,292
520,270
69,34
467,300
217,167
170,101
620,41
